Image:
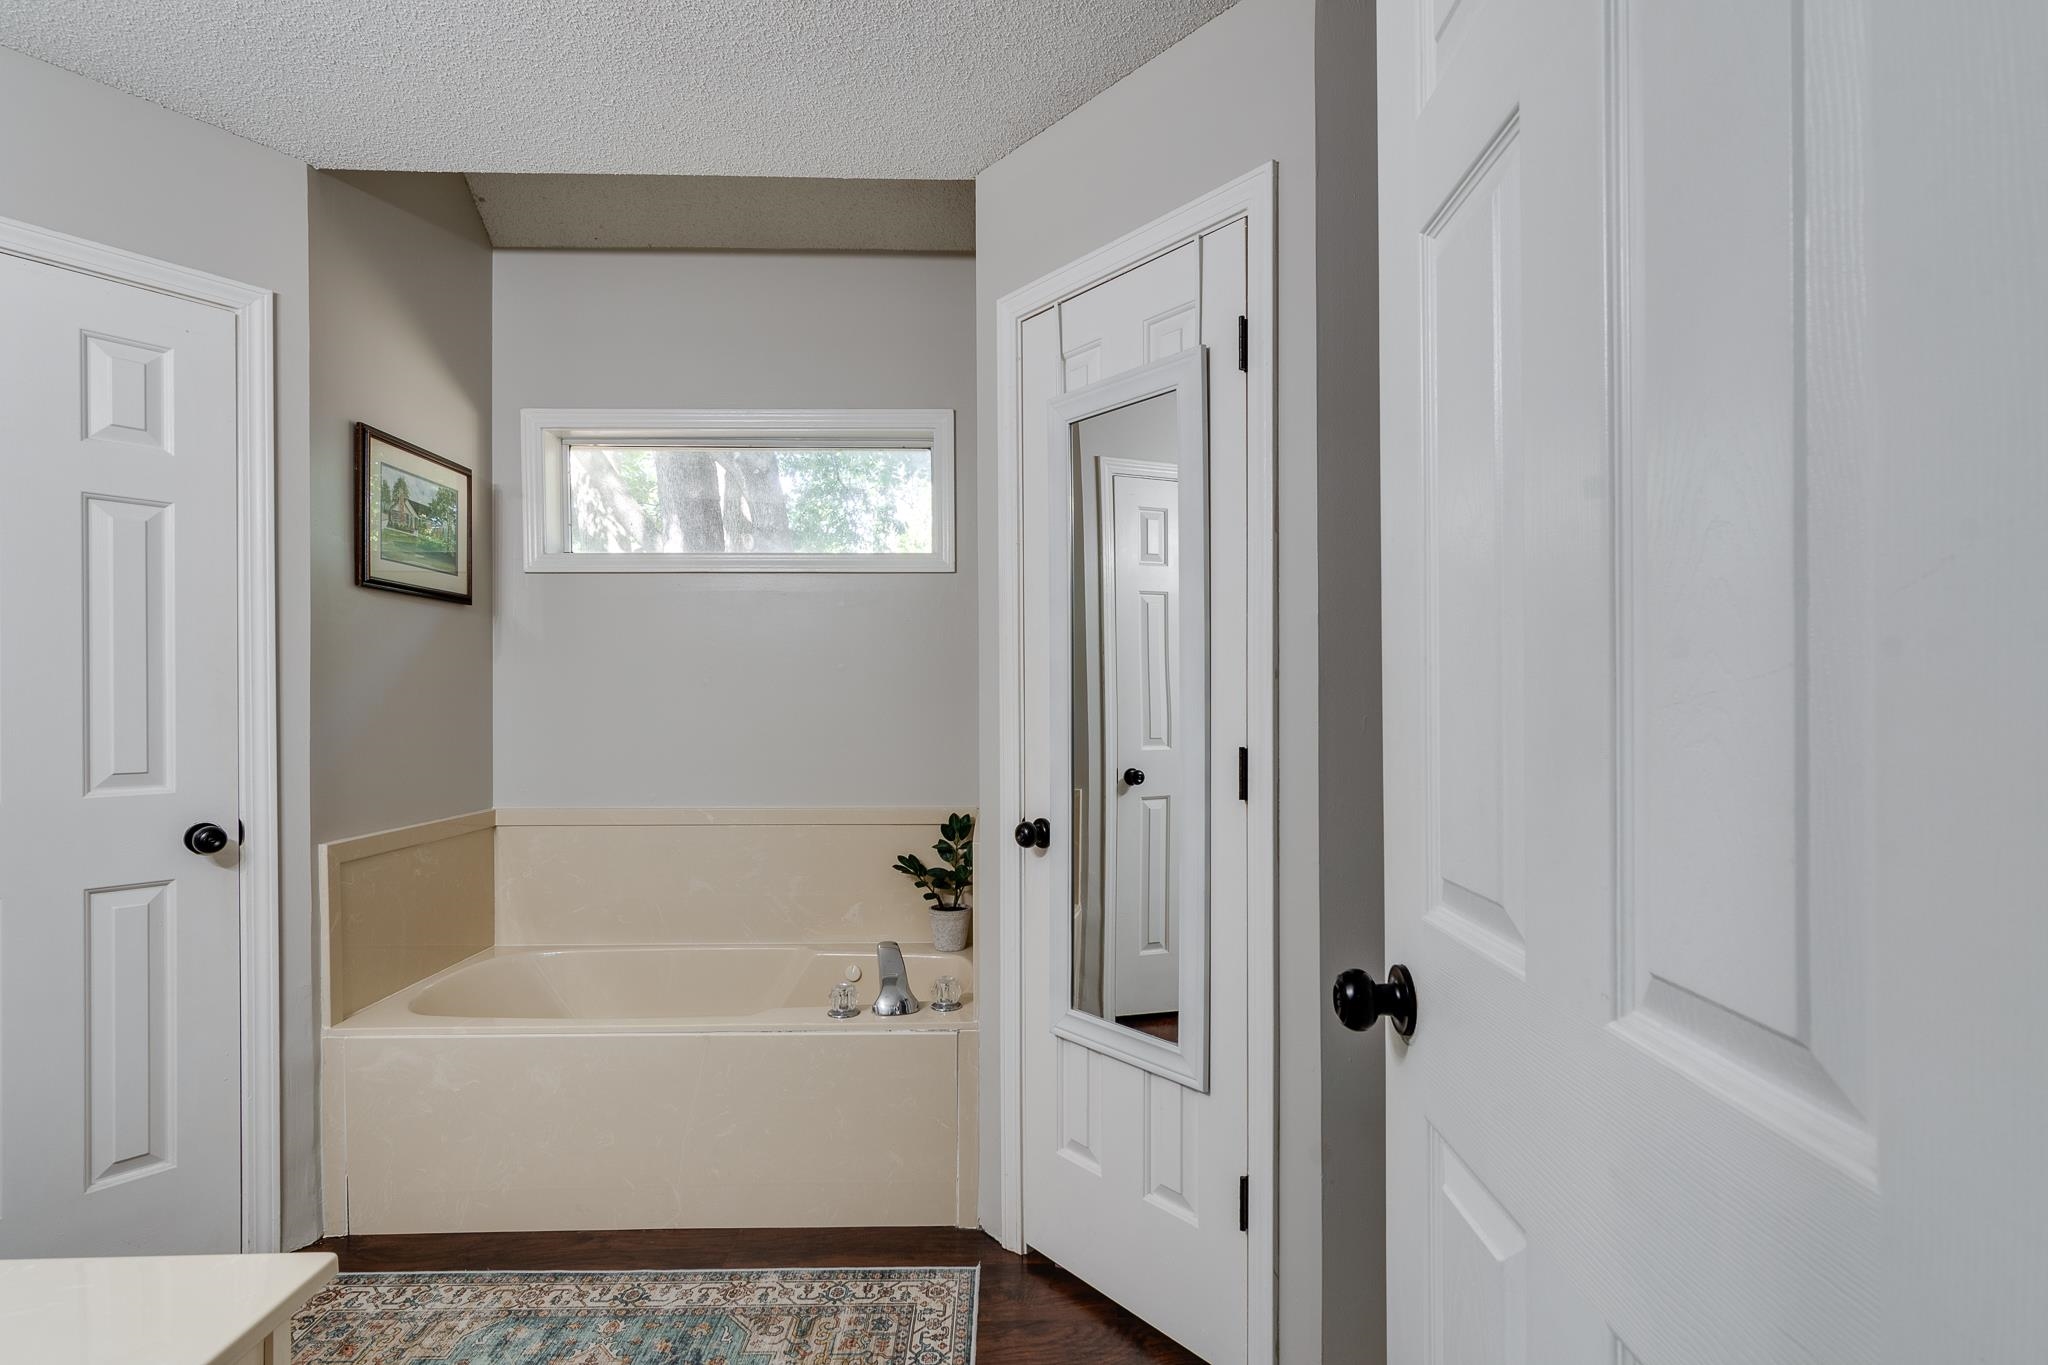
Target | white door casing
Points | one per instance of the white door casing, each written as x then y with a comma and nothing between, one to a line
1627,622
1143,701
137,980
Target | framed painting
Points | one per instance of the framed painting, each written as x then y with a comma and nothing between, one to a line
413,519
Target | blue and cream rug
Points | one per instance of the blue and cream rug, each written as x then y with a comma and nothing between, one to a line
643,1317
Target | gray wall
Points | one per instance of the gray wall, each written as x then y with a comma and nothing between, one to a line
401,339
78,157
726,689
1348,508
1240,91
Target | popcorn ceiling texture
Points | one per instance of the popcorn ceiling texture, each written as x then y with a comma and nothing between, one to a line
912,89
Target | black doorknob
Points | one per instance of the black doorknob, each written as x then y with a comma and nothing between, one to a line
1134,777
1361,1002
206,839
1034,833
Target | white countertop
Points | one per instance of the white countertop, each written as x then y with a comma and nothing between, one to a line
150,1310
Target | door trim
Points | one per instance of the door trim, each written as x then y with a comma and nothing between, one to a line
1252,198
257,871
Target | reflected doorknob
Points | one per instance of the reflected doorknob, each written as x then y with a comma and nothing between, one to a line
1034,833
1361,1002
1134,777
206,839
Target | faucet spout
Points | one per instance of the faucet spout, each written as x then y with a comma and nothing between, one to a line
894,997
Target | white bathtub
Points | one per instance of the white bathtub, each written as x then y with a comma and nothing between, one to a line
650,1087
708,988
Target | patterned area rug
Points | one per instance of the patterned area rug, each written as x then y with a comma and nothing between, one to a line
673,1317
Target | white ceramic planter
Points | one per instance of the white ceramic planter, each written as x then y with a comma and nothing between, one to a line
949,929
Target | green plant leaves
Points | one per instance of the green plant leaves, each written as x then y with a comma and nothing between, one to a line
956,851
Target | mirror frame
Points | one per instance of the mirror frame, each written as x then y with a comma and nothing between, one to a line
1185,376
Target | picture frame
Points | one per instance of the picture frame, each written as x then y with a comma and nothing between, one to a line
414,519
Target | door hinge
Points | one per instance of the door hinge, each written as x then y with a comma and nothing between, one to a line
1244,343
1244,774
1244,1203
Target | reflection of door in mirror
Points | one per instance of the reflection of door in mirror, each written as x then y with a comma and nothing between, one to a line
1141,605
1127,715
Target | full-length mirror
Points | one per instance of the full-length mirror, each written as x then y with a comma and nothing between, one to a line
1130,453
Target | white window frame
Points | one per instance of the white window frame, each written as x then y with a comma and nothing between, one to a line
546,433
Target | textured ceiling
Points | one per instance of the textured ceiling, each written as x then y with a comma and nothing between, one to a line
887,88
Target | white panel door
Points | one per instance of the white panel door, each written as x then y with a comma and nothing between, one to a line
120,1104
1131,1180
1144,700
1141,316
1629,645
1959,318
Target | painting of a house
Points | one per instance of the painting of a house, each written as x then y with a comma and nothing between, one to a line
413,522
418,520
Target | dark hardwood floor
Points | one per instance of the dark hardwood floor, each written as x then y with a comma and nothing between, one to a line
1165,1026
1032,1312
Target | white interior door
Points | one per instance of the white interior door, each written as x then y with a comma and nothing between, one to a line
1142,692
1131,1179
1714,656
120,1049
1628,655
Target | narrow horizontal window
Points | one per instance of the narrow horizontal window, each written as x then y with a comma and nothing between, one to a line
786,491
734,500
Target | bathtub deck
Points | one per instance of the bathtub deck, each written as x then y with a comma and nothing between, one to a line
1032,1312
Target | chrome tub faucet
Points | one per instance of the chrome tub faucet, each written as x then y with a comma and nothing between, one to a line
894,997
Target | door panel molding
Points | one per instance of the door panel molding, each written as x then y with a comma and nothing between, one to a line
1745,722
1250,198
258,866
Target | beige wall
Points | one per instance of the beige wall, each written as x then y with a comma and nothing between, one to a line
731,689
78,157
1240,91
402,905
710,876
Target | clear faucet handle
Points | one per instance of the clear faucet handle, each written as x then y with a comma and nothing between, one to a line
946,994
845,1001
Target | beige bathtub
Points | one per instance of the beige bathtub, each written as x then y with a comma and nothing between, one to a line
607,1087
710,988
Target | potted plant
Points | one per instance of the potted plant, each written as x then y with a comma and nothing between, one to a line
946,885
